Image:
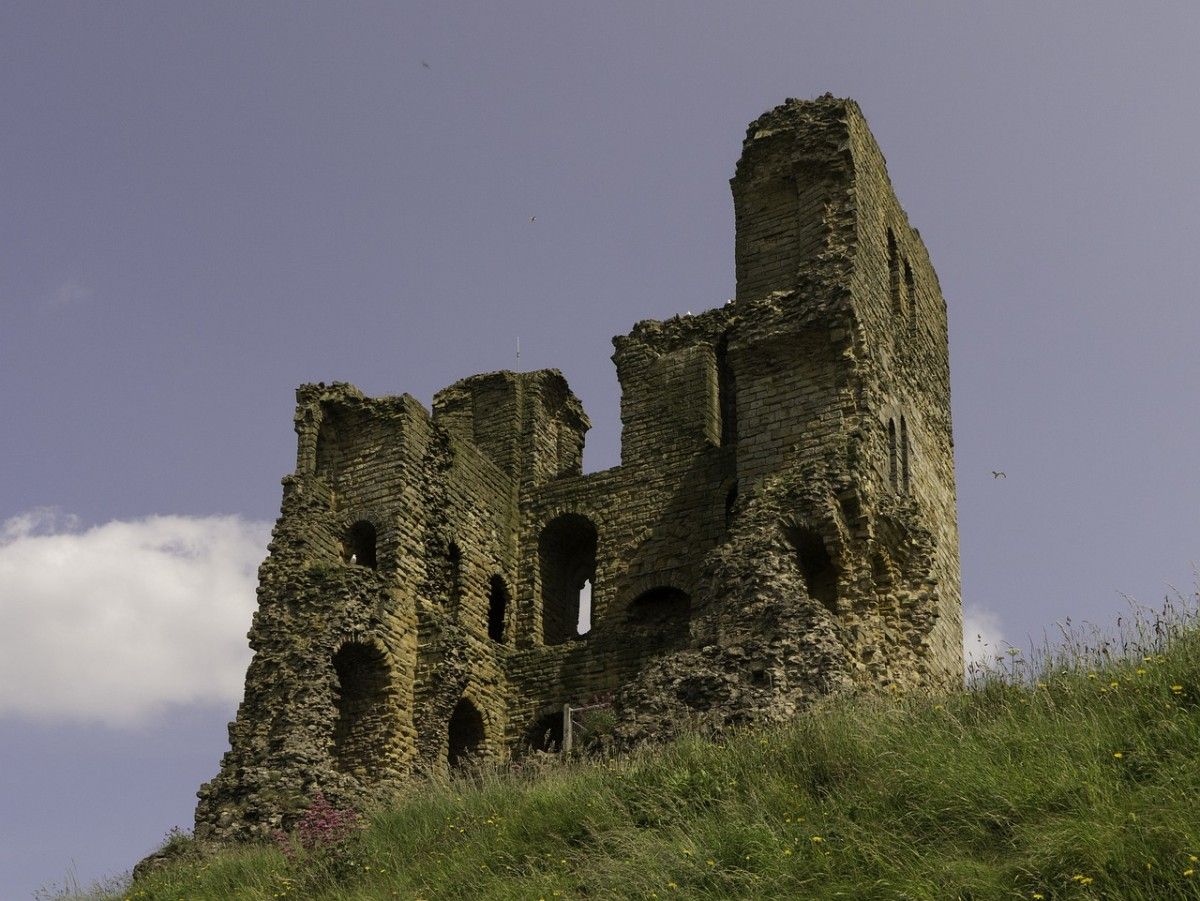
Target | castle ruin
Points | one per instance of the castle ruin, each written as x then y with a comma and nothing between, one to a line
781,526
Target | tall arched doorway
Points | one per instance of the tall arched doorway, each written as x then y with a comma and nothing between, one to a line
466,734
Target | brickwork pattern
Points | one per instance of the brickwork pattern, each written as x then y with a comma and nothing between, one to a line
781,526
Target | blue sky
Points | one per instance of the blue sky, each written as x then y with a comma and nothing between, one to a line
205,205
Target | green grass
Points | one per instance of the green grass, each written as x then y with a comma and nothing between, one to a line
1076,776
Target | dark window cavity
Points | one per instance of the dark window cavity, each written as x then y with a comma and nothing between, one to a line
358,545
466,734
663,606
893,262
497,609
730,506
455,565
361,699
567,558
546,733
816,567
910,291
893,456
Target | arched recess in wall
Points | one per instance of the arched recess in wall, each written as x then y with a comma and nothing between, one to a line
545,733
905,472
663,607
567,564
816,566
359,544
498,599
466,734
362,698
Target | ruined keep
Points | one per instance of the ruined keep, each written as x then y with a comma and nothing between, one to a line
781,526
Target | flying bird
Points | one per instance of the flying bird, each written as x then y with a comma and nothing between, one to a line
998,475
425,64
533,218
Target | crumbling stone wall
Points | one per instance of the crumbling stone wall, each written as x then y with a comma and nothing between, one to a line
781,526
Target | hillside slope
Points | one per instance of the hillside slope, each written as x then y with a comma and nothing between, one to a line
1075,781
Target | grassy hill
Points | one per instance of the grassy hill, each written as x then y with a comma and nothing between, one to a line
1073,776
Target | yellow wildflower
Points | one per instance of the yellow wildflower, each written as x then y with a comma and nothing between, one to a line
1118,754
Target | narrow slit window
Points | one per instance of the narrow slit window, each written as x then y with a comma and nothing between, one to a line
893,264
910,291
497,609
904,465
454,564
893,460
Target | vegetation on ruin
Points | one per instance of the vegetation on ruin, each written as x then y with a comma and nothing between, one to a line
1072,775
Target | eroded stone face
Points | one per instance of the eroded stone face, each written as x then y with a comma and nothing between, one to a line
781,527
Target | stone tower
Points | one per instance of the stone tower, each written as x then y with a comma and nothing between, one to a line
781,526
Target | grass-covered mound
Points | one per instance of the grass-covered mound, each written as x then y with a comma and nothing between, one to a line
1077,777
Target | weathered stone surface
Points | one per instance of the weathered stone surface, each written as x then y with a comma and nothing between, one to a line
782,524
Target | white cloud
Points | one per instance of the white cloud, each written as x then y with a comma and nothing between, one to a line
983,638
113,623
69,292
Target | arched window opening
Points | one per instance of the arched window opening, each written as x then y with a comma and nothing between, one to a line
663,606
361,728
910,291
454,566
820,575
893,263
497,608
546,733
567,556
893,460
358,545
904,470
466,734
